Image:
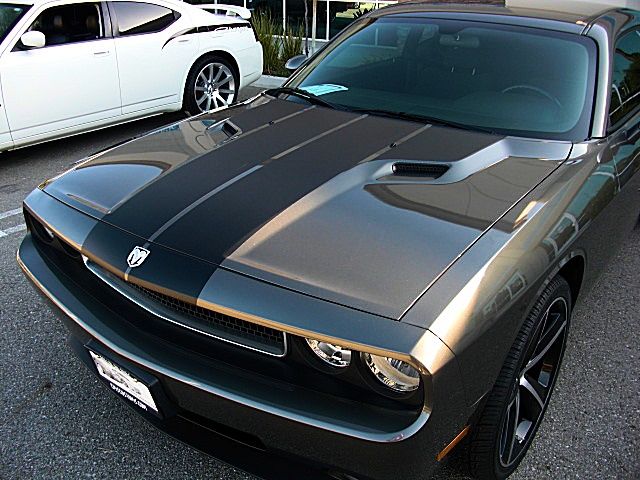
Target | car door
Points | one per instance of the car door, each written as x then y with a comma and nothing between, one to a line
6,141
68,85
153,54
10,16
624,121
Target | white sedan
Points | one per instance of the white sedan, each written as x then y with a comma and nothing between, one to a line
69,66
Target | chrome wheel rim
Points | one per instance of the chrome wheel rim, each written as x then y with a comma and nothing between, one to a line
532,388
215,87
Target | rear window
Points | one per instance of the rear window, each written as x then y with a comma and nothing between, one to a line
135,18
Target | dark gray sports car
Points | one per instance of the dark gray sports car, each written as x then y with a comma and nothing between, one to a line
349,275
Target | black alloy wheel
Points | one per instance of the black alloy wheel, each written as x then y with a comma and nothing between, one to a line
516,405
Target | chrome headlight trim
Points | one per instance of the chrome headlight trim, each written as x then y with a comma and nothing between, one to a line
330,353
393,373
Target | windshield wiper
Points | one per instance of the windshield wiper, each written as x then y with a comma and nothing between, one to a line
421,118
298,92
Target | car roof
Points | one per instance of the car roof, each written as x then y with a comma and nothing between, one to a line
22,2
42,2
575,15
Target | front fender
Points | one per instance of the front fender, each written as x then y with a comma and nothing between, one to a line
479,304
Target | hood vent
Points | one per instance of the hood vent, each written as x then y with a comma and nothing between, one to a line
419,169
222,131
230,129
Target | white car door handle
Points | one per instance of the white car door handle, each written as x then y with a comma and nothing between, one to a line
102,53
184,40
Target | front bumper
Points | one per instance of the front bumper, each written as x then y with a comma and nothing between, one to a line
250,433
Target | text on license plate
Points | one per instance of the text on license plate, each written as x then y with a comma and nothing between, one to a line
123,383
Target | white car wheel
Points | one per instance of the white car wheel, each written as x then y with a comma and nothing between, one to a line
212,84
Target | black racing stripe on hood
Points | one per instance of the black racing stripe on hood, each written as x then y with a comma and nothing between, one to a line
256,114
154,205
164,270
136,165
216,227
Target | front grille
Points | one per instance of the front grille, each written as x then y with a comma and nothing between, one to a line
202,320
220,325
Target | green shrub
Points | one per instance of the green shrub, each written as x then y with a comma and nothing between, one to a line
277,47
359,13
292,43
267,31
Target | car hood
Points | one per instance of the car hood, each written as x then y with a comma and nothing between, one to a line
359,210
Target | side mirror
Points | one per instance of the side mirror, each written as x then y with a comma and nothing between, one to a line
33,39
295,62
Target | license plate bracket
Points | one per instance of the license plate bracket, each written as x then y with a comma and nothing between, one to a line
161,408
123,383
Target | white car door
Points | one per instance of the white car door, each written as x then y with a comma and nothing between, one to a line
153,54
5,135
10,16
71,83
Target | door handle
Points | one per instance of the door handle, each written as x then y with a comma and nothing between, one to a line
101,53
184,40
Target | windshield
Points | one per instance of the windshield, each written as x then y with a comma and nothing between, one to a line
9,16
510,80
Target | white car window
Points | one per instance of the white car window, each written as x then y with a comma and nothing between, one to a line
9,16
78,22
135,18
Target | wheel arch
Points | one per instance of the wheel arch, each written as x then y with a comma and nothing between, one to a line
235,64
572,270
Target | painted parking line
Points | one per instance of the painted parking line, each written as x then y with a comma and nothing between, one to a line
10,213
8,231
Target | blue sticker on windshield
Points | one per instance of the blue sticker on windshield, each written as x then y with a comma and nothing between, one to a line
324,88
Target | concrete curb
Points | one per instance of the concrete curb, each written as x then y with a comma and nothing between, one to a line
268,81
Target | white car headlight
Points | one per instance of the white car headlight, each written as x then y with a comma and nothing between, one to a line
334,355
394,373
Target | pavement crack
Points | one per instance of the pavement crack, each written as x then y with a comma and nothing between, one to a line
31,399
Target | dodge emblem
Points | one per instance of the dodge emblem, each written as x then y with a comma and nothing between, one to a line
137,256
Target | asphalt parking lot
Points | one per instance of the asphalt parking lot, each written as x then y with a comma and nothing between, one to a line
57,421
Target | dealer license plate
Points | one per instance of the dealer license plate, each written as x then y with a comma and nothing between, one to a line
123,383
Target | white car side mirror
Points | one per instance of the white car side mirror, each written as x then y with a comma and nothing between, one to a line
33,39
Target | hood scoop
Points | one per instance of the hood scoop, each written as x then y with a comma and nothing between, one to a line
418,169
221,132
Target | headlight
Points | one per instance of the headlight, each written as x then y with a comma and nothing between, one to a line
394,373
334,355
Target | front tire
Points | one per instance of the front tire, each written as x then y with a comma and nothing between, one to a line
516,405
212,83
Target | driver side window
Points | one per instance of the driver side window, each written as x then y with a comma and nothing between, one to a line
625,88
78,22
